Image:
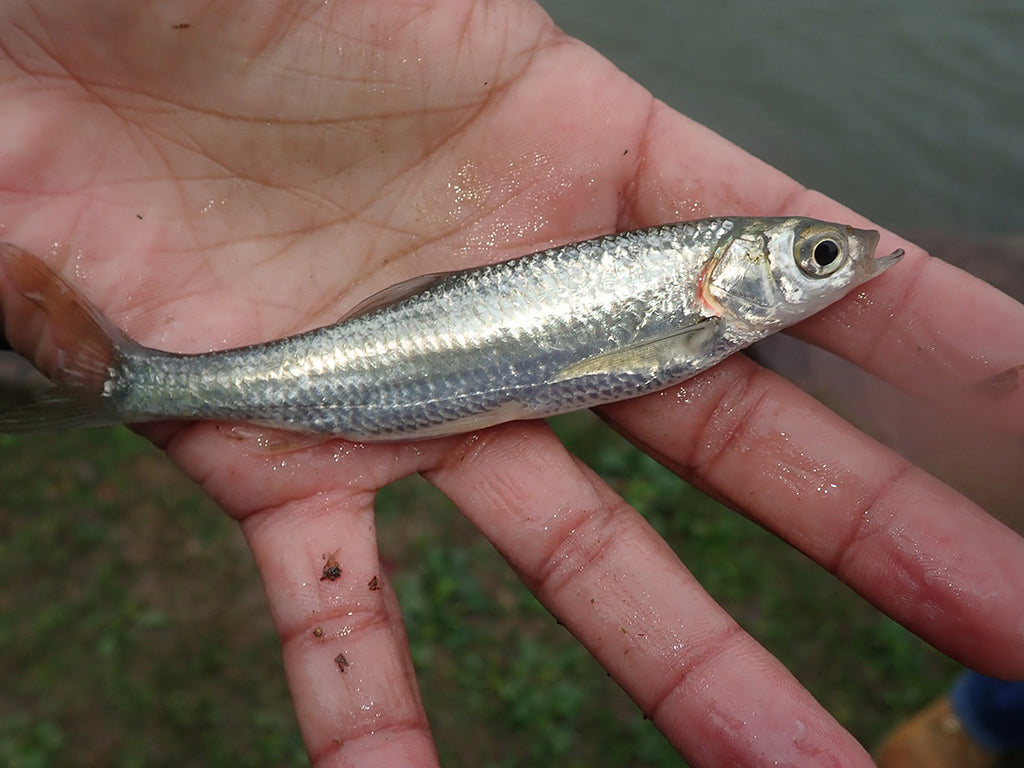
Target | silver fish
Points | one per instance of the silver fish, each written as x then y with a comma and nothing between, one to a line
567,328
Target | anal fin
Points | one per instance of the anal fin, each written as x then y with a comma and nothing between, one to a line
274,440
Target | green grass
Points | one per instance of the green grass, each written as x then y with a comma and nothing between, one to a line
133,628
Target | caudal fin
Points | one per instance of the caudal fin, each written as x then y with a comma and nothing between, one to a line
65,337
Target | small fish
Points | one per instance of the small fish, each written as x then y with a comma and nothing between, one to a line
563,329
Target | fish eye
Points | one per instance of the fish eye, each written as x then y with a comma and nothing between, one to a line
825,252
821,255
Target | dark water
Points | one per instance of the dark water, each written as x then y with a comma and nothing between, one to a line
912,113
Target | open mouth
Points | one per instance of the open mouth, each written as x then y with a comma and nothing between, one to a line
882,263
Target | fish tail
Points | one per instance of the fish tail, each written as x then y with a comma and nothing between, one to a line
66,338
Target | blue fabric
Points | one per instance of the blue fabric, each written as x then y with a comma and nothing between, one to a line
991,710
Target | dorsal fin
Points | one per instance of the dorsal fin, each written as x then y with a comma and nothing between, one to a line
395,293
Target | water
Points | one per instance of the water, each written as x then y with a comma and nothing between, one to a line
911,113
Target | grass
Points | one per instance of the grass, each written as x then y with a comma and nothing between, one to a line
133,628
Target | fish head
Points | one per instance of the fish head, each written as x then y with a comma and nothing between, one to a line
774,272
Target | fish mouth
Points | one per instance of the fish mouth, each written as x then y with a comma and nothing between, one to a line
877,264
882,263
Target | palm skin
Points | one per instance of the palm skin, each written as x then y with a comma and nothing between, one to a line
219,173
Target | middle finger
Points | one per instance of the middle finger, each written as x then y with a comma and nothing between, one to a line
925,554
617,586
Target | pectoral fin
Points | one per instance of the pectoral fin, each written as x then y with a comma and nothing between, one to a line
653,354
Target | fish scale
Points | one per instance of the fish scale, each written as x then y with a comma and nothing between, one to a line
566,328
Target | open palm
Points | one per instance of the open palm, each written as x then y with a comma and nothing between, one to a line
220,173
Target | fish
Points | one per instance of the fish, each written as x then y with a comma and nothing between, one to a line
563,329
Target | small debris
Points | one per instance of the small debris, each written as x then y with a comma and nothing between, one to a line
332,570
342,662
374,584
318,632
182,25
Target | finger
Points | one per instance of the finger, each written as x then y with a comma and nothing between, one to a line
604,573
925,326
942,337
926,555
308,518
930,329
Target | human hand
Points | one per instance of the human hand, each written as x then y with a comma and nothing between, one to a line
233,173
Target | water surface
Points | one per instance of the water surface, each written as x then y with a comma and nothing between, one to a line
911,113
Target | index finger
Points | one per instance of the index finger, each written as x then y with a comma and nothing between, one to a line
915,547
927,327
